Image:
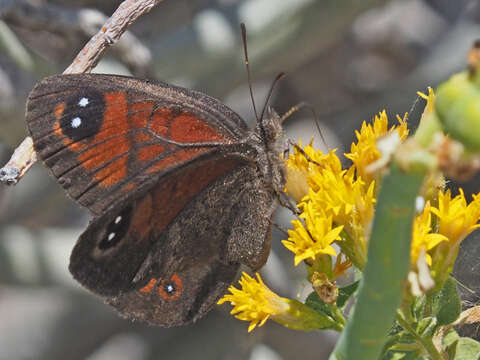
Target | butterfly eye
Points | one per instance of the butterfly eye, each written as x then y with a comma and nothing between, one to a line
116,230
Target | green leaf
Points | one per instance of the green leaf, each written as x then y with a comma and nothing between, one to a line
345,292
418,307
427,326
449,342
467,349
395,355
450,337
318,305
446,304
401,354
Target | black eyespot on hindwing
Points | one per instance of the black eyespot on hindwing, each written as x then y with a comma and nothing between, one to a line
171,289
117,229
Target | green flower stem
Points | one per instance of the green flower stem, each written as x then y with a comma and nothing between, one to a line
352,250
426,343
302,317
338,316
443,266
428,127
388,262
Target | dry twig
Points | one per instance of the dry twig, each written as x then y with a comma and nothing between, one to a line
125,15
67,23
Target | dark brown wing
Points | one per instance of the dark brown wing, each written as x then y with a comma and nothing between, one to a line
169,256
109,254
104,136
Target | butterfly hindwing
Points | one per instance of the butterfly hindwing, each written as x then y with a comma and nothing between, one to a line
179,298
109,254
175,269
103,135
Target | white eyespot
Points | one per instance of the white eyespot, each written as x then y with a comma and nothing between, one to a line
111,236
83,102
118,219
76,122
170,288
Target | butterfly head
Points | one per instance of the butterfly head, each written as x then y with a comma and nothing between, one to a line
271,125
271,133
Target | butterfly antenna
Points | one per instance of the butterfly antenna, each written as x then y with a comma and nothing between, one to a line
412,108
244,40
270,92
305,105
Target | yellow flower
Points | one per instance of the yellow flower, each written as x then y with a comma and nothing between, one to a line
350,202
422,237
313,239
365,151
346,198
300,169
297,183
254,302
456,218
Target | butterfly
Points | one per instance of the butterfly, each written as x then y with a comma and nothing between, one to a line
181,191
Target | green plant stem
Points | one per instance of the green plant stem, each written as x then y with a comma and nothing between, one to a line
388,262
338,316
426,343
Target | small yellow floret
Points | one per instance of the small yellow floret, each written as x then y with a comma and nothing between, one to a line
422,237
254,302
457,219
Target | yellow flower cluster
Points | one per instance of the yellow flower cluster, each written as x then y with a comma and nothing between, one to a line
337,204
337,207
365,152
439,236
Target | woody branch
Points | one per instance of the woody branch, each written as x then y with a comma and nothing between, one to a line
126,14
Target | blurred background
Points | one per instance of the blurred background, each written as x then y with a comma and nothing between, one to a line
348,58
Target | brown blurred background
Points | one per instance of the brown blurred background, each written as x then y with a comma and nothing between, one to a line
348,58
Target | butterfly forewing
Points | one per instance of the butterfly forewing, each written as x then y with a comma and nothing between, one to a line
102,135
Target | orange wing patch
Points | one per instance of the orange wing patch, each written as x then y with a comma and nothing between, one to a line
150,152
59,109
186,128
177,157
140,114
113,172
149,287
111,141
160,121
